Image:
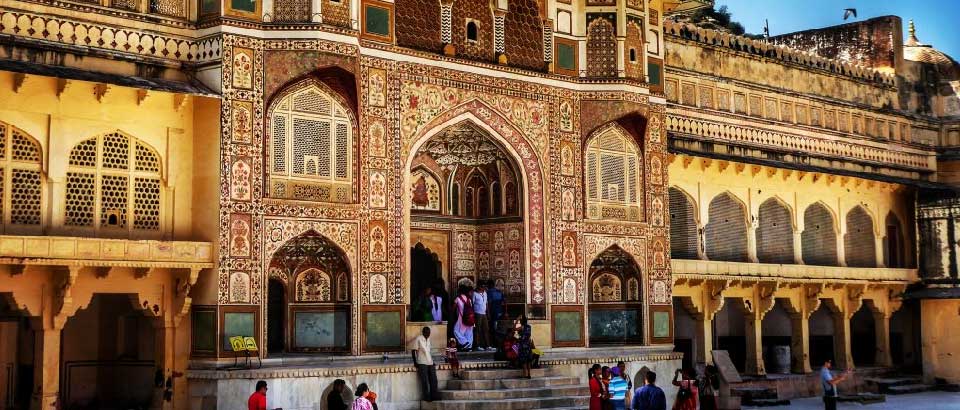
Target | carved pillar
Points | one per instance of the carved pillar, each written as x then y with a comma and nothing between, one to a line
499,34
752,240
712,303
843,359
800,342
881,321
753,325
46,368
446,27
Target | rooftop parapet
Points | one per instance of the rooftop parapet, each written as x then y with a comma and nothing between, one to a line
787,55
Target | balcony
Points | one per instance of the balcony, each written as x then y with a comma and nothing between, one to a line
703,270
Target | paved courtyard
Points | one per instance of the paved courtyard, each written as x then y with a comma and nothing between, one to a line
925,401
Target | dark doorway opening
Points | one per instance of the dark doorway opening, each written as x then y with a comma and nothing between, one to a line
863,337
425,269
276,315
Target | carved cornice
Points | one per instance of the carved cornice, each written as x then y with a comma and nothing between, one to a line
741,271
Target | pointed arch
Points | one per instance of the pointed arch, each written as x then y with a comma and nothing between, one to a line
684,236
893,242
530,185
775,232
819,237
859,242
612,174
614,296
601,48
114,182
725,236
21,168
311,144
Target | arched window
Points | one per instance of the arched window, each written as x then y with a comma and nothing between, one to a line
311,145
893,243
455,199
613,176
496,199
113,183
21,186
774,233
683,226
819,237
472,31
860,243
725,235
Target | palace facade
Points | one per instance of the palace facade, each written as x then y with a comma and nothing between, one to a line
178,173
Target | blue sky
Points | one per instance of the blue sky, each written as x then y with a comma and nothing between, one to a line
936,20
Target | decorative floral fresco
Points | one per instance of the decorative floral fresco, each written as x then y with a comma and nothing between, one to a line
399,106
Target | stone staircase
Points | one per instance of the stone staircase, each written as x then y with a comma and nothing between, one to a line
502,389
758,396
908,385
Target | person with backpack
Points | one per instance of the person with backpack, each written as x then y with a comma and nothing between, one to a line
688,392
709,388
466,319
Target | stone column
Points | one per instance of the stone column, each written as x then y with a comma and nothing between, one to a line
800,342
46,376
842,358
752,240
881,322
165,352
753,325
798,247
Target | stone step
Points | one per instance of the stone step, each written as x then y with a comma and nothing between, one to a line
862,398
766,402
497,374
455,384
909,388
884,383
754,393
500,394
947,387
511,404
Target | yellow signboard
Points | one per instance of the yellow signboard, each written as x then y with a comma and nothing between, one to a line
236,342
250,344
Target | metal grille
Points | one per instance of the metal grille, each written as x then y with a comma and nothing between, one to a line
146,203
860,243
79,199
774,233
113,200
601,49
683,226
632,171
726,234
168,7
24,148
279,143
84,154
3,141
292,11
116,151
146,160
311,101
343,149
819,237
24,197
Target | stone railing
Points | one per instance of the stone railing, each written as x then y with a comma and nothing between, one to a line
96,249
63,30
836,147
787,55
700,269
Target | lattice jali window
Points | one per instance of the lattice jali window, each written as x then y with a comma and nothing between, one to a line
613,176
21,180
819,237
114,182
292,11
312,145
774,233
725,236
859,243
174,8
683,226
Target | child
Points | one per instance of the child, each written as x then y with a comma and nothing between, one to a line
451,355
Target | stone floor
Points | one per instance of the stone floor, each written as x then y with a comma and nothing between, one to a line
924,401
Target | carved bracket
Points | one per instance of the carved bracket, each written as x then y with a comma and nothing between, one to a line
765,300
854,299
63,298
714,300
811,295
182,299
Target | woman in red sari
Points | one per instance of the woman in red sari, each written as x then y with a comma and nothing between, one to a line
596,388
687,394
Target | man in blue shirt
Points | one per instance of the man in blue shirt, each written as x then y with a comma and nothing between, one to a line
618,389
494,304
829,382
649,397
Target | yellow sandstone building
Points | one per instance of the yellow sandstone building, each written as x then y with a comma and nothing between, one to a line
643,188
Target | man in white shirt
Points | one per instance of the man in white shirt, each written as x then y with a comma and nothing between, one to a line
426,370
482,331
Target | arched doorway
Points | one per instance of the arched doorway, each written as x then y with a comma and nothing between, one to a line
777,337
821,336
466,186
276,311
16,356
316,295
729,328
107,355
615,301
